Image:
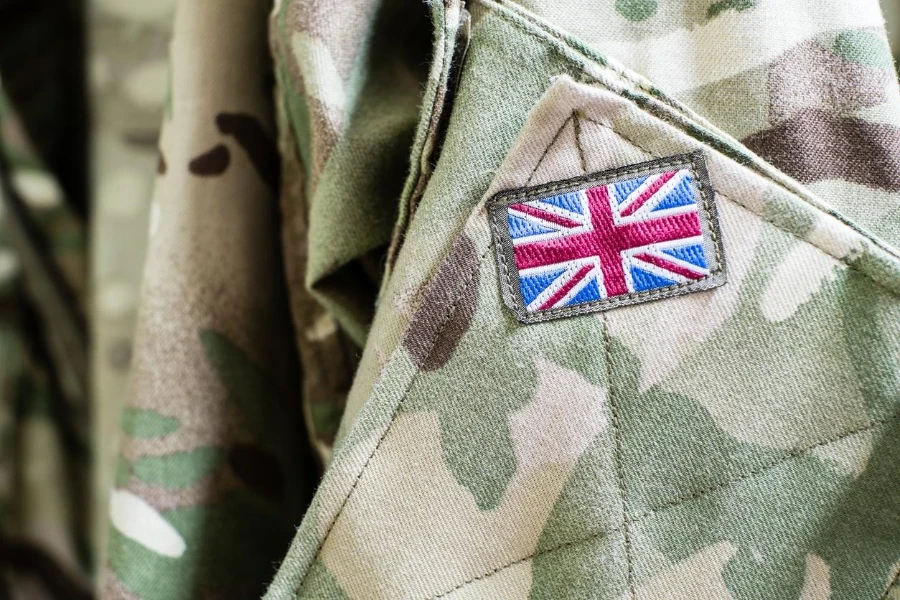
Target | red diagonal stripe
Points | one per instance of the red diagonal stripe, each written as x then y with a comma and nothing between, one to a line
648,193
545,215
567,287
669,266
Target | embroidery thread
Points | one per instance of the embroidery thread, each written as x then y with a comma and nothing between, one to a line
630,235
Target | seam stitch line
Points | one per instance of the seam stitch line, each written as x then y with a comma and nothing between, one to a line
449,314
796,453
614,413
577,126
547,149
645,514
523,22
844,260
618,456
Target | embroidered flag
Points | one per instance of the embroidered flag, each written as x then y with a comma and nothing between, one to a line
631,235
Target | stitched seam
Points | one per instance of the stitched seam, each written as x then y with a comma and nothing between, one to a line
614,412
522,21
617,456
844,260
561,546
577,125
503,244
706,491
547,149
450,312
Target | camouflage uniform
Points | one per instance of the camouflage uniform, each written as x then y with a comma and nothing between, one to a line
739,442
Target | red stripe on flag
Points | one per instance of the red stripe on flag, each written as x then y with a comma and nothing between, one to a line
669,266
567,287
648,193
544,215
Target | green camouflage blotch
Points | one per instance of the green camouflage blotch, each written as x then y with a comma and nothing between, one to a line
871,328
123,472
248,385
248,540
637,10
864,47
690,453
722,5
180,469
141,423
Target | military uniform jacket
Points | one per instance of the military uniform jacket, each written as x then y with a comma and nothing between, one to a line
502,299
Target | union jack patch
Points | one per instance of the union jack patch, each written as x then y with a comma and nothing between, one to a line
635,234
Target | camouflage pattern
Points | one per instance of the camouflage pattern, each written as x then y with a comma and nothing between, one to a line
738,443
45,510
129,75
215,467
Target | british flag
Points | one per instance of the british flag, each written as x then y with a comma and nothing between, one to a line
634,235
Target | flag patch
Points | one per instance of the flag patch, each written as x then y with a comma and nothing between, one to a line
630,235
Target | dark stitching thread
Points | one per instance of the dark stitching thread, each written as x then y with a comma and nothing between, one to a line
547,149
561,546
645,514
450,312
614,412
796,453
577,125
618,456
545,35
844,260
503,244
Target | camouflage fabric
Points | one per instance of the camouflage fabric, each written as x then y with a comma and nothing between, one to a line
129,75
737,443
215,467
45,511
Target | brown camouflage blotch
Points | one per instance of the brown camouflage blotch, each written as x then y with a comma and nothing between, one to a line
256,142
816,145
446,311
161,163
211,163
812,76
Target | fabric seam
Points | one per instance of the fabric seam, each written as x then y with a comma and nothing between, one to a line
463,288
850,264
703,492
890,585
522,23
620,467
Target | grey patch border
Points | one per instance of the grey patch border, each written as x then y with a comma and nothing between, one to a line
510,287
